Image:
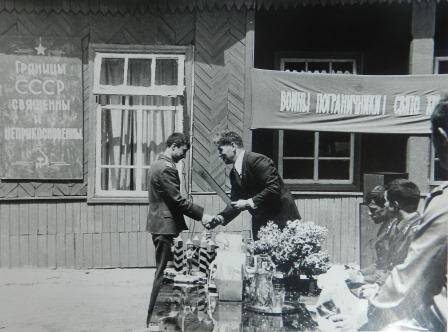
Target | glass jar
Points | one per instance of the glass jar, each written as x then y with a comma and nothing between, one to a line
279,291
263,289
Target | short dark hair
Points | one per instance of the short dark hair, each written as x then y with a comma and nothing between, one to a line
227,138
179,139
405,193
376,195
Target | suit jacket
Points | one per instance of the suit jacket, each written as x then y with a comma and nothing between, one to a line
261,182
167,206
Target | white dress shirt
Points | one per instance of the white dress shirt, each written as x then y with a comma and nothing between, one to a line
238,165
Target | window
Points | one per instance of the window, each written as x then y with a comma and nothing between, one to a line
441,65
437,173
308,157
316,157
329,66
139,101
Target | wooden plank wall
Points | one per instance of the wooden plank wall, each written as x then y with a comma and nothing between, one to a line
72,234
68,233
341,217
220,60
220,41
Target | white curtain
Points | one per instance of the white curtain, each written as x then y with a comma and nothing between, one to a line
119,128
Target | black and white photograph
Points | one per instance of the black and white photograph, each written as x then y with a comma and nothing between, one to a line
223,165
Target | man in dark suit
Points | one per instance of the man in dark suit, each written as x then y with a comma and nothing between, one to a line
167,207
256,186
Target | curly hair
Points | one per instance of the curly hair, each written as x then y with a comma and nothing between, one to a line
228,138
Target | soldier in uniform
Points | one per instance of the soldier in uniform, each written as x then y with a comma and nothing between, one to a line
167,207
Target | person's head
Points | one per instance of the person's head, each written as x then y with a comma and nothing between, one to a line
375,202
402,194
177,146
228,142
439,127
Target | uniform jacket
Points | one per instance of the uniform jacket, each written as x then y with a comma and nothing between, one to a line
382,243
167,206
261,182
403,233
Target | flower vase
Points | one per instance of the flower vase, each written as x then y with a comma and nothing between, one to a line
261,293
303,285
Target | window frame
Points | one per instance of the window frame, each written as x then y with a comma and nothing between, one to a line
437,61
432,156
185,53
124,89
316,159
352,183
321,56
319,60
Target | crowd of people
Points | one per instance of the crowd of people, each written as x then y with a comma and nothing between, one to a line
405,287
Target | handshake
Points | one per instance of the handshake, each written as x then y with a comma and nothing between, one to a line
210,222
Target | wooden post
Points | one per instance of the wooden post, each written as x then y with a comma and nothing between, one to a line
421,60
250,42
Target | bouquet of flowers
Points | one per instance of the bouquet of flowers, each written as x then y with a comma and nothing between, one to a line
298,246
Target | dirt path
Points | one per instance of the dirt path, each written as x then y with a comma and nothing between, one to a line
74,300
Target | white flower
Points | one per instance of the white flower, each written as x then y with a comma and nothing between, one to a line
297,244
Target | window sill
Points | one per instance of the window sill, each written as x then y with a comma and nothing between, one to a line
435,184
117,200
316,187
327,193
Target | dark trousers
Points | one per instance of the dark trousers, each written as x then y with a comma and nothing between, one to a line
162,244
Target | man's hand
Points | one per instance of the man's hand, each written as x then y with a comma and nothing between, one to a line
341,322
216,220
206,220
241,204
368,291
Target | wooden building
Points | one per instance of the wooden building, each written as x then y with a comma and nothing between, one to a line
90,90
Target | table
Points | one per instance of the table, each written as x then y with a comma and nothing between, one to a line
189,307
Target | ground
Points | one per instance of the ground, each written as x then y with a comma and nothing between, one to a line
74,300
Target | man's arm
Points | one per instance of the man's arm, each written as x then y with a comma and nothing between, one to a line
169,184
229,213
265,172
